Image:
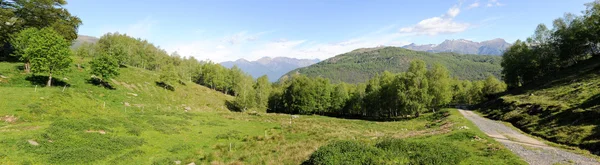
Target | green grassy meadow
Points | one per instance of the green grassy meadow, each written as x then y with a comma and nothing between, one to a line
139,122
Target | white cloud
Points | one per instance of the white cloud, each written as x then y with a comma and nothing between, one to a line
444,24
492,3
242,37
220,50
140,29
474,5
453,12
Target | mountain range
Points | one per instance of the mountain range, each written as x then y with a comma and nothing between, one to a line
272,67
462,46
362,64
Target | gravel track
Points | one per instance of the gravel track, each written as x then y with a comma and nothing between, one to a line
531,150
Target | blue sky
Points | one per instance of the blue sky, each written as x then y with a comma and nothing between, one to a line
221,30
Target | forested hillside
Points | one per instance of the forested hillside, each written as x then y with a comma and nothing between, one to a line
362,64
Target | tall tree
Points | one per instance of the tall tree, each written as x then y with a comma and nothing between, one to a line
233,77
476,92
263,90
413,92
17,15
439,86
47,51
116,45
515,63
300,95
244,96
339,98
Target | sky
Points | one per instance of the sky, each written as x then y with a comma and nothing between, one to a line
225,30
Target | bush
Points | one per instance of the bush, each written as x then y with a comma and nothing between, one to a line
346,152
424,152
395,151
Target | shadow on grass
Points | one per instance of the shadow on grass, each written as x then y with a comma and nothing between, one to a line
99,82
42,80
232,106
592,101
533,119
20,67
165,86
354,117
182,83
368,118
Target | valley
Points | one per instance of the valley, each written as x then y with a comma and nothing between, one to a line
329,83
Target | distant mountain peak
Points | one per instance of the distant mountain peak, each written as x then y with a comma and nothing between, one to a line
83,39
273,67
495,46
241,60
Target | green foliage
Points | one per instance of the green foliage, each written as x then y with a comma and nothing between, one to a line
245,96
83,51
346,152
492,86
562,107
413,93
419,152
384,96
168,75
19,15
263,89
134,51
571,40
105,66
456,147
45,49
517,64
361,65
64,124
440,86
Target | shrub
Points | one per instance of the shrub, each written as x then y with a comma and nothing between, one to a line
391,151
346,152
424,152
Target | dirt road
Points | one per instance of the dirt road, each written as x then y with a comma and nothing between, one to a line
531,150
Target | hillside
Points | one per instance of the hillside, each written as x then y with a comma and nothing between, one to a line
272,67
362,64
562,107
83,39
462,46
139,122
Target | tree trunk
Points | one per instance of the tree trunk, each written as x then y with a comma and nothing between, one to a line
27,67
49,80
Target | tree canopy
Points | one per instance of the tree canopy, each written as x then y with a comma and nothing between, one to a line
387,95
17,15
45,49
572,39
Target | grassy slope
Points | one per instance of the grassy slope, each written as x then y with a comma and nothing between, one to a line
362,64
563,107
468,145
155,129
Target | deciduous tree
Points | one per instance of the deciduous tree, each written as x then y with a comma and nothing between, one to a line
46,50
